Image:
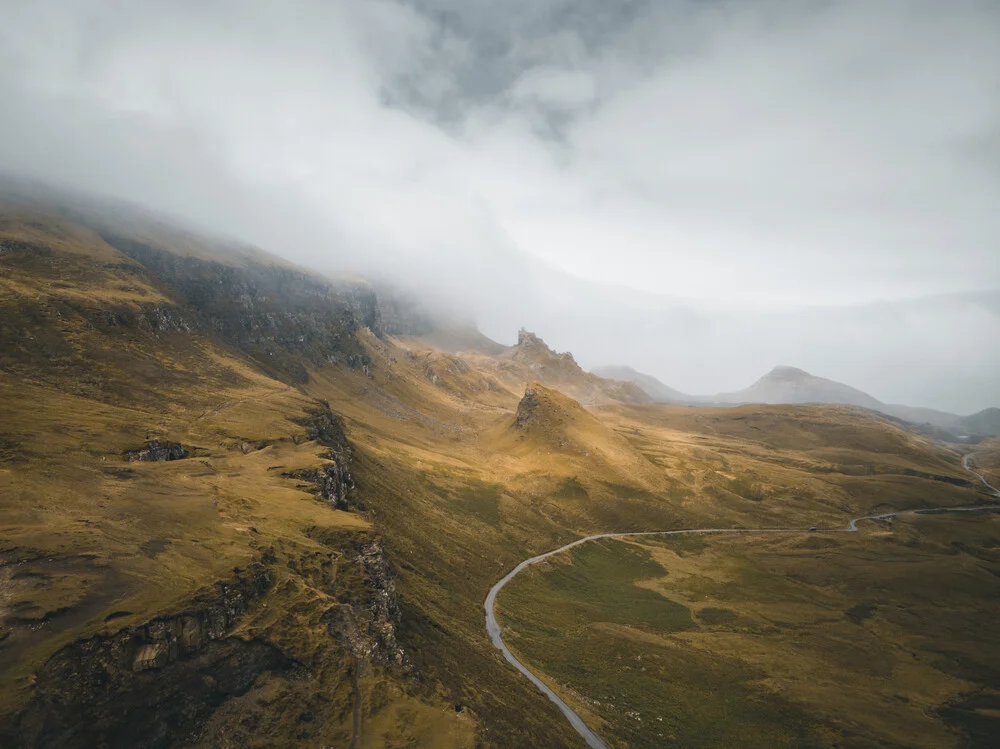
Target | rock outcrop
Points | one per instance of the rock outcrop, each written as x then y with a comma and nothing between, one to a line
527,408
156,451
534,350
333,480
534,360
366,625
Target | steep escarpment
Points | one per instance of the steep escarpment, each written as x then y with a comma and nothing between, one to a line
333,480
267,311
153,437
401,314
366,614
187,677
152,685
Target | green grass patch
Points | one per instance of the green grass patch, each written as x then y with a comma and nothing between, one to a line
649,694
481,501
571,488
976,717
624,491
715,616
596,584
681,544
861,612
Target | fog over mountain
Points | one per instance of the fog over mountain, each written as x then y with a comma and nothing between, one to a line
700,190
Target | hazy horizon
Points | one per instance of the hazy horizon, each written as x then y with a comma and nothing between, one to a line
699,190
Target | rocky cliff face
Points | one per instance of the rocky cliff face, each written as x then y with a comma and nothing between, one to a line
285,319
366,624
400,314
175,678
526,409
333,481
154,685
280,316
533,350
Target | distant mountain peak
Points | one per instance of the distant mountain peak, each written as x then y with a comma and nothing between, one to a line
648,384
785,384
785,372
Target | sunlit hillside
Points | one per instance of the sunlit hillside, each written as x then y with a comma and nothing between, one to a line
245,505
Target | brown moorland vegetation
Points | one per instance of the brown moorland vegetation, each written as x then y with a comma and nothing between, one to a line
312,570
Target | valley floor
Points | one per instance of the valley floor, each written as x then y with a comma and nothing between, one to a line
778,604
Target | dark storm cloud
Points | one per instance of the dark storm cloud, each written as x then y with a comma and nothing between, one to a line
746,160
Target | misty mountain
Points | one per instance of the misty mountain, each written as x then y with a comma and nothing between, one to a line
275,434
655,389
533,359
986,421
782,385
901,351
791,385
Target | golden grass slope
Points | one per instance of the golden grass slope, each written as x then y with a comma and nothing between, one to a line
488,487
91,543
531,360
549,426
457,490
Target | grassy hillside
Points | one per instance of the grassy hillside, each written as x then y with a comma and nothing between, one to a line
310,569
101,359
880,639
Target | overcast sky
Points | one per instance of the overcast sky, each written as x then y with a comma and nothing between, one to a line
702,189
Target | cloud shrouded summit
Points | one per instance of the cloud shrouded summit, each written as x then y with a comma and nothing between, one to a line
745,160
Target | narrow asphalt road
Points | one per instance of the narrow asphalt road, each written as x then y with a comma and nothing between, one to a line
977,474
593,740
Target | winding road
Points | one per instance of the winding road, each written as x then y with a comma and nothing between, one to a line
593,740
977,474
